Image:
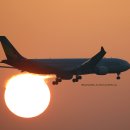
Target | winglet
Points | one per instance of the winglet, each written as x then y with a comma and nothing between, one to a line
102,49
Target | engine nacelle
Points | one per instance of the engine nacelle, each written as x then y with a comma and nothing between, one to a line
101,70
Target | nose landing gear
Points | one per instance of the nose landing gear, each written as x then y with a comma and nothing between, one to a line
118,76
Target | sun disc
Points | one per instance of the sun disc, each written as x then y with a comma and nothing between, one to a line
27,95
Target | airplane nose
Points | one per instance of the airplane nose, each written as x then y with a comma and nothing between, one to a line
126,65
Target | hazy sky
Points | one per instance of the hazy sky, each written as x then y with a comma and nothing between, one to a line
70,28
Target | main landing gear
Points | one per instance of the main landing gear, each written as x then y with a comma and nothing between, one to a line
118,76
59,79
56,81
78,77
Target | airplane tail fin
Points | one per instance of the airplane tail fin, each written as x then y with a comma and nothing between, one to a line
10,52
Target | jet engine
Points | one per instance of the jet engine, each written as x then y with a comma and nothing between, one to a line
101,70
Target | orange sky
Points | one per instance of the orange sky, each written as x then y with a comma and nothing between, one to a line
71,28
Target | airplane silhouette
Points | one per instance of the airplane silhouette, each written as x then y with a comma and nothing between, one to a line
64,69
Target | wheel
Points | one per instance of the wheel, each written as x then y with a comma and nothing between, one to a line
118,78
54,82
75,80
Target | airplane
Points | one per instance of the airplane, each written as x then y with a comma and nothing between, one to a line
64,69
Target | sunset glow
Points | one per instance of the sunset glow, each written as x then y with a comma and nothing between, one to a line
27,95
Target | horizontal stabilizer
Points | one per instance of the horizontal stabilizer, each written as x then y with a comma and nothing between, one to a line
7,67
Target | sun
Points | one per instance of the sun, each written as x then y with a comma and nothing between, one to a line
27,95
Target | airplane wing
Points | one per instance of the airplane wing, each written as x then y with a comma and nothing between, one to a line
93,61
7,67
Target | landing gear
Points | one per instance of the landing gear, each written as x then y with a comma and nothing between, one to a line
57,81
75,80
118,76
78,77
54,82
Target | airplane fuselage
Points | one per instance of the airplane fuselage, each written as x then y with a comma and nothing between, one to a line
53,66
